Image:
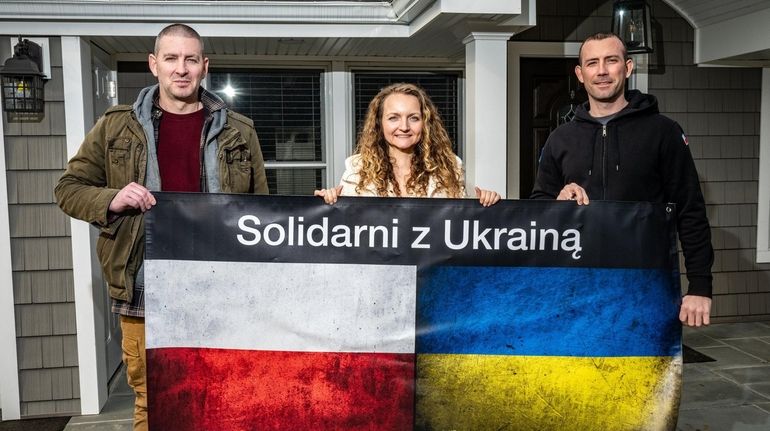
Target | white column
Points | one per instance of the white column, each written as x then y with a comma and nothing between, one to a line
339,124
9,368
763,207
78,107
486,109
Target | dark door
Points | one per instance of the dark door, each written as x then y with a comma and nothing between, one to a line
550,92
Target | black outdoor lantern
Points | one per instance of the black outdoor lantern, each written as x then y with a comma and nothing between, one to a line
22,79
632,22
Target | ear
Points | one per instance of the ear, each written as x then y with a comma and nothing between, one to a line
153,62
579,73
205,67
629,67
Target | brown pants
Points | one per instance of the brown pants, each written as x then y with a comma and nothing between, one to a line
135,358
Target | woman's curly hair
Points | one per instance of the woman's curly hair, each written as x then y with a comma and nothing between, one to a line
432,157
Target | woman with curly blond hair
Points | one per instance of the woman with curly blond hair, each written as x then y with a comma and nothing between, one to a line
403,151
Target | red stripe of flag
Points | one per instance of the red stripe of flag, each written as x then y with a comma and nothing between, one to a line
223,389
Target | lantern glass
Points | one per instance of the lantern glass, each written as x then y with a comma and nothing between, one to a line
631,21
23,93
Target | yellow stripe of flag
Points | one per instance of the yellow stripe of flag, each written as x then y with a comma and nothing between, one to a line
493,392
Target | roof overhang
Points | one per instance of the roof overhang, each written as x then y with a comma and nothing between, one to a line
408,28
253,18
741,41
728,32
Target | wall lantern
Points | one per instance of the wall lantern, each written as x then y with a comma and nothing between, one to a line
631,20
22,79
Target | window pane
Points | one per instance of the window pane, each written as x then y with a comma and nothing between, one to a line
285,106
441,87
294,181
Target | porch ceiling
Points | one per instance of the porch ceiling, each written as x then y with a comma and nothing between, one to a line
363,28
728,32
440,39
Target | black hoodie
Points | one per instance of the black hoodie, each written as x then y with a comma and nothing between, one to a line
640,155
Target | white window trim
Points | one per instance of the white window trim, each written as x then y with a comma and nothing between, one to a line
338,110
763,204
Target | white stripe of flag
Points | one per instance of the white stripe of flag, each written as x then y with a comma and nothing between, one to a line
305,307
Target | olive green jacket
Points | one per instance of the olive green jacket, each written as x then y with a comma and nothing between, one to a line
115,153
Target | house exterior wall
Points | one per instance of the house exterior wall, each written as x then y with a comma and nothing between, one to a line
717,107
719,110
40,255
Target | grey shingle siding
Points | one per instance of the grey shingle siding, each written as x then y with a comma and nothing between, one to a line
41,257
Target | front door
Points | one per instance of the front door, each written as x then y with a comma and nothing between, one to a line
550,92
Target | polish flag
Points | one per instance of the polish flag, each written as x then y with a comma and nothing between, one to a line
317,346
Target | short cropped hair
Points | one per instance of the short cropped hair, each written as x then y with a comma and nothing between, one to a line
602,36
177,30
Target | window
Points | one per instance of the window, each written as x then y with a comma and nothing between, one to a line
285,106
441,87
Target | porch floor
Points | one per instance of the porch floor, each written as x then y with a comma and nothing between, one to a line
731,393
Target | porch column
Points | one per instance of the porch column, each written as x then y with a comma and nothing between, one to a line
78,108
9,367
486,109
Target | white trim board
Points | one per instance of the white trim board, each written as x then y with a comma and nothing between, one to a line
763,203
90,326
9,368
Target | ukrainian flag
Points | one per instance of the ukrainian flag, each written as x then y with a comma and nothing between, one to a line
419,335
547,349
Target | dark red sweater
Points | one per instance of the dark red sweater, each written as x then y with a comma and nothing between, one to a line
179,157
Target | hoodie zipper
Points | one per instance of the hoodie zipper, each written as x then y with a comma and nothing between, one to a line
604,161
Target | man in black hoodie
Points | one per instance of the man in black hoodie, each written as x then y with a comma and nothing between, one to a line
619,147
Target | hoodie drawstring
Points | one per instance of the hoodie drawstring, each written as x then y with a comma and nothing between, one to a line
593,153
616,154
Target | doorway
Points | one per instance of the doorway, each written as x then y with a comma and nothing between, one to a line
550,93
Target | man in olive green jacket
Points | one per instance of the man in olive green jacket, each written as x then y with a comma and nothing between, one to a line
176,137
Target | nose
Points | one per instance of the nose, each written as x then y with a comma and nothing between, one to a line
181,67
602,68
404,124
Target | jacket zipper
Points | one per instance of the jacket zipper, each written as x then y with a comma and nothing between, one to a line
201,155
604,161
137,154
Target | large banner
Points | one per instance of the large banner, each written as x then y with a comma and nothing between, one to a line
394,314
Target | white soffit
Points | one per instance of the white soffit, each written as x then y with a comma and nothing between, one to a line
211,11
728,32
394,12
743,40
397,28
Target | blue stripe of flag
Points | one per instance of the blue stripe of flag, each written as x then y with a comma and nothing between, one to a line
548,311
